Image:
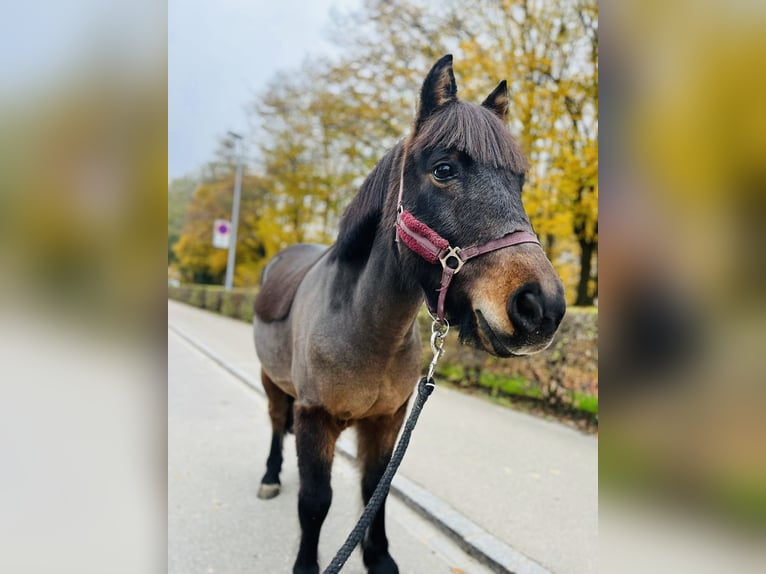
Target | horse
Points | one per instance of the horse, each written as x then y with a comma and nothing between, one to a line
335,328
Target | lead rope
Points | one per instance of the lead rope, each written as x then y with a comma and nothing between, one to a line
439,330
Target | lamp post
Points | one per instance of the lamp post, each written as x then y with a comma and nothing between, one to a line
234,214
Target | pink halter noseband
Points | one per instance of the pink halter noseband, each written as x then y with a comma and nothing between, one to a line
434,248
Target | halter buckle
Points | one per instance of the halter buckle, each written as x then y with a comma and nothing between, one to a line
454,252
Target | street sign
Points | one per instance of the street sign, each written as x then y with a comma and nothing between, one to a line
221,233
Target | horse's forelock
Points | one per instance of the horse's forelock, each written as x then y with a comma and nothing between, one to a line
475,131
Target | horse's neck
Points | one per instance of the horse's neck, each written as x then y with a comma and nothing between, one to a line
384,304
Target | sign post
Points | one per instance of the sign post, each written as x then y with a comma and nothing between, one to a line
231,261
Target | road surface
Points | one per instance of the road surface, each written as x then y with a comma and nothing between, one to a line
531,483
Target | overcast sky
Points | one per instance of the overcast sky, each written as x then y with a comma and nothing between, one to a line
221,53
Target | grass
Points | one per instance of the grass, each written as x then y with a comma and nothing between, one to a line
585,403
502,389
510,386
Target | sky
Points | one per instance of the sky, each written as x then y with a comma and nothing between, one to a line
47,43
221,54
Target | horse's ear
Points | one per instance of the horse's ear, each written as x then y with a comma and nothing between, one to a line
439,89
497,101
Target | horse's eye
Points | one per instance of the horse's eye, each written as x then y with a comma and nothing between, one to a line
443,172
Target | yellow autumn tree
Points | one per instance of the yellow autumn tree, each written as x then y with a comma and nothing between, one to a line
197,260
548,52
321,128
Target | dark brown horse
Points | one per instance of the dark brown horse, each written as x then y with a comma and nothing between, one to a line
336,329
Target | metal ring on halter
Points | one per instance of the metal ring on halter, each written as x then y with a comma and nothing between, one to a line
454,252
438,325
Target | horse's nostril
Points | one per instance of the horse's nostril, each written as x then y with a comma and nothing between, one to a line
527,310
529,307
534,312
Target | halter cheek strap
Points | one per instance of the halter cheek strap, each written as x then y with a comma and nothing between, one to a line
432,247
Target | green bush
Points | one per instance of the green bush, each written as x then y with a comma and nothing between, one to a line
246,307
565,375
228,307
213,298
237,303
196,297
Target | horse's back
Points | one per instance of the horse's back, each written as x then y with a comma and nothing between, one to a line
282,277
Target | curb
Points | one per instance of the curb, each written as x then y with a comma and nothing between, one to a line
471,537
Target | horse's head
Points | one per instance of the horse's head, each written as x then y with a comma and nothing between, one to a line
462,178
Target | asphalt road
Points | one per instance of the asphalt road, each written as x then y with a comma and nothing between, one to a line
218,438
532,484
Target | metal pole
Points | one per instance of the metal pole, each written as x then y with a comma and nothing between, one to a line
234,216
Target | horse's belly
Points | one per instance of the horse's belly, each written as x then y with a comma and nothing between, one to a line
274,350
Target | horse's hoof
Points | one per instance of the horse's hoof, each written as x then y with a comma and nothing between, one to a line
385,565
267,491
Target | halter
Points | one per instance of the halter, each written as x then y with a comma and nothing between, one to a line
434,248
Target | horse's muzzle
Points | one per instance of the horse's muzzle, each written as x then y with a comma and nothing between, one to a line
535,314
534,317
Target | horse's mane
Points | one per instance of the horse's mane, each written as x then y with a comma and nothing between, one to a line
360,221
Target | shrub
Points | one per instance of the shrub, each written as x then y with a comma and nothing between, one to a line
566,374
196,297
246,307
213,298
228,307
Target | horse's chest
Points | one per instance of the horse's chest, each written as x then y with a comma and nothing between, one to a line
357,387
368,396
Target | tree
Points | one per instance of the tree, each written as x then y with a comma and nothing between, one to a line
320,129
549,54
180,193
198,260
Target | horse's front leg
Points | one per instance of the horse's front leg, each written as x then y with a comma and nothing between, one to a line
377,437
315,434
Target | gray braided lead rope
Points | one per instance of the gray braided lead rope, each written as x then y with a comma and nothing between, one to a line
425,388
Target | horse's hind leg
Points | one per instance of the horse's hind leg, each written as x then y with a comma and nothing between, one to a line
315,434
377,437
280,412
